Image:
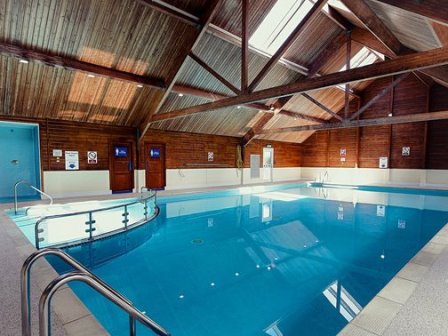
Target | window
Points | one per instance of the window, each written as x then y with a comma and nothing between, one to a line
280,22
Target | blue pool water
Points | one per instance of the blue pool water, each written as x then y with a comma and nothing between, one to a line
297,261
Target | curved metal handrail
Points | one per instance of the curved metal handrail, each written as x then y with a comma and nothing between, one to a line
91,212
112,294
32,187
25,281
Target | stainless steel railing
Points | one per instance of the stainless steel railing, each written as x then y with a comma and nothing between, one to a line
81,274
91,221
32,187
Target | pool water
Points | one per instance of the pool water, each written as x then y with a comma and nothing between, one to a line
297,261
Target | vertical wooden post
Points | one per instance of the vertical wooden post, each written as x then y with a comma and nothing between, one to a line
244,46
358,134
347,62
391,110
425,132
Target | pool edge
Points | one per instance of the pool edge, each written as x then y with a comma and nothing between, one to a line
379,314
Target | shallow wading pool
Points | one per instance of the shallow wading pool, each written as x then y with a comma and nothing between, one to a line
287,261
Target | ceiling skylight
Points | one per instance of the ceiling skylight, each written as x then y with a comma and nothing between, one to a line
364,57
283,18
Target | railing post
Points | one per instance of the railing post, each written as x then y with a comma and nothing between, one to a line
146,209
132,326
125,214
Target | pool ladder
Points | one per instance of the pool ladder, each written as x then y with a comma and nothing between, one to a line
80,274
32,187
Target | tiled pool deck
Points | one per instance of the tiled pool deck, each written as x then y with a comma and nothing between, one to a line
414,302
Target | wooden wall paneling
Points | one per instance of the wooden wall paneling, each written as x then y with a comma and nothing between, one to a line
409,97
189,150
437,144
315,150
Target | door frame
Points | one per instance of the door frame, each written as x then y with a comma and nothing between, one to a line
38,166
118,142
271,173
150,143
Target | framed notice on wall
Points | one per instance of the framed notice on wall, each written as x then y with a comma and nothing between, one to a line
71,160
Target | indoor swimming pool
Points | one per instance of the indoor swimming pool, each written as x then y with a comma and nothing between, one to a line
280,262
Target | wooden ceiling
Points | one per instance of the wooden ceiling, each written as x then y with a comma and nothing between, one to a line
125,62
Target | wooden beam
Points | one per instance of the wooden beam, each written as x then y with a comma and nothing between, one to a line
322,106
337,18
379,95
172,11
367,39
245,46
249,136
205,20
76,65
369,18
214,73
435,10
213,96
402,64
297,115
315,10
404,119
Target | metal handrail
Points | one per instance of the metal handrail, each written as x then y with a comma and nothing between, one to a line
90,213
89,278
32,187
92,281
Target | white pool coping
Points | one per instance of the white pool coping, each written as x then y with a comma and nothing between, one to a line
412,303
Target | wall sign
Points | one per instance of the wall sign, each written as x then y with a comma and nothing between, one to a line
92,157
383,162
210,156
380,210
154,153
121,151
57,152
343,151
71,160
405,151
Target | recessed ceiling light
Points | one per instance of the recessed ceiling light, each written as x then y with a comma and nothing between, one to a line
90,75
180,94
139,85
24,61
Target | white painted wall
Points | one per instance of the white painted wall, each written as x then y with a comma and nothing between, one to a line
370,176
199,178
76,183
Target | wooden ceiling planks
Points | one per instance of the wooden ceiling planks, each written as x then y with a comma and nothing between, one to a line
411,29
307,47
229,122
133,37
107,33
229,16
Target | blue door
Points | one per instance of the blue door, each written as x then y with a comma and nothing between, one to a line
19,160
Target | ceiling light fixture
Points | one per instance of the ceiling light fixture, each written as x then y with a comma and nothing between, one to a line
24,61
90,75
139,85
180,94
